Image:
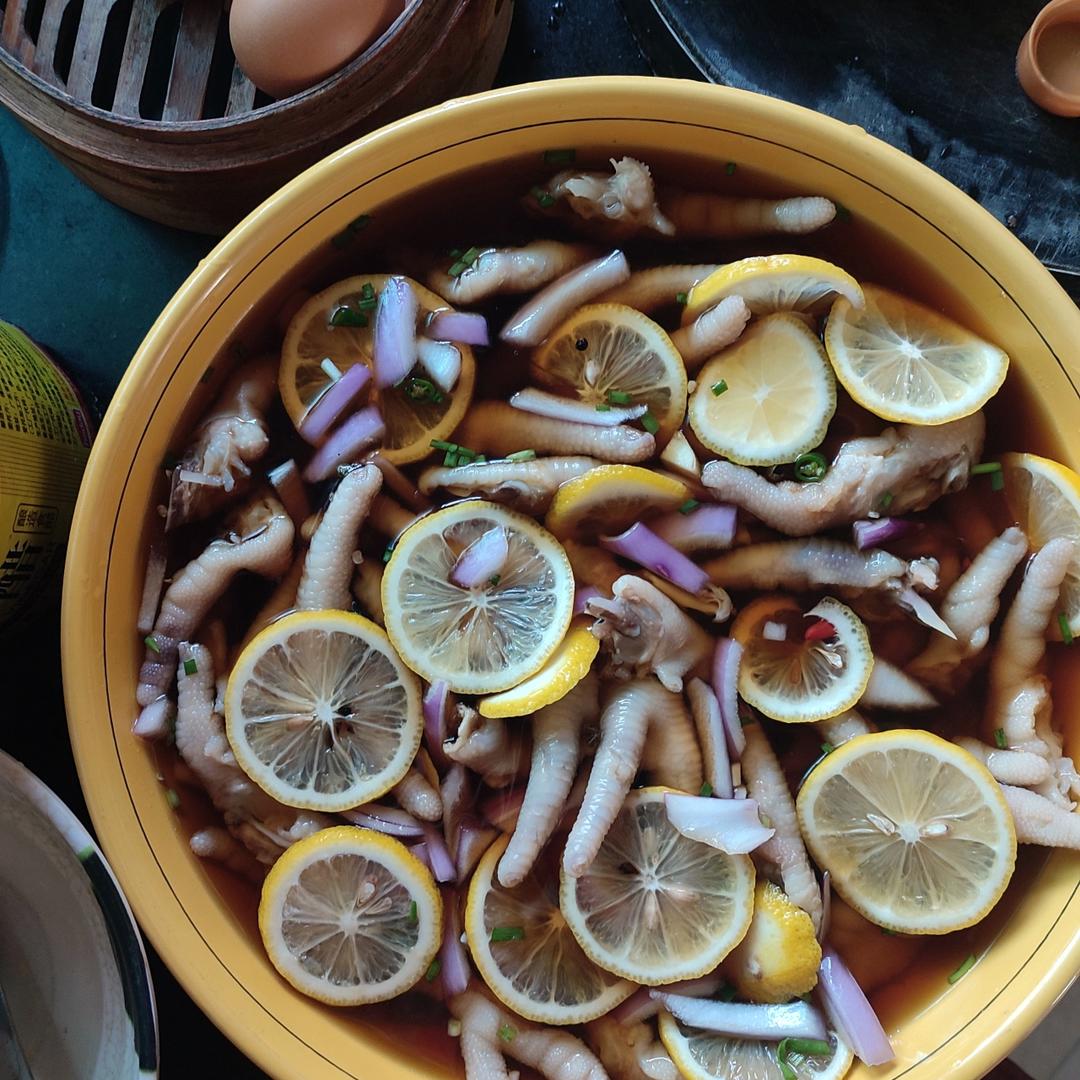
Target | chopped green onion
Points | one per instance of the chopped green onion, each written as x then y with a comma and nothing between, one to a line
507,1033
453,1029
689,506
190,667
507,933
730,168
997,481
412,911
681,298
810,1047
346,236
986,467
457,269
827,748
479,459
603,408
1066,630
726,993
885,501
151,643
433,970
450,461
388,551
811,468
417,389
494,580
521,455
442,444
999,739
544,198
471,256
719,388
962,970
650,423
559,157
619,397
343,316
746,719
367,291
172,799
706,790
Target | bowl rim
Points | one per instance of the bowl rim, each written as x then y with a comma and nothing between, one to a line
478,117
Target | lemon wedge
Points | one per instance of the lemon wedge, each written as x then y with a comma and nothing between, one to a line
779,958
795,680
769,283
320,711
566,668
655,906
914,831
534,966
350,916
1044,497
704,1055
488,638
312,338
908,363
609,499
768,398
612,354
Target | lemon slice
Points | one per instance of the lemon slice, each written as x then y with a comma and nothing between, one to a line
568,665
655,906
775,283
906,362
768,398
779,958
539,970
350,916
609,499
1044,497
321,713
798,681
704,1055
606,348
488,638
914,831
311,339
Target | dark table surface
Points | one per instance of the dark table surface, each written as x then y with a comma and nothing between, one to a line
88,279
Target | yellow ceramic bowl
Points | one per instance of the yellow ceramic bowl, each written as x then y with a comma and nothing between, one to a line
938,243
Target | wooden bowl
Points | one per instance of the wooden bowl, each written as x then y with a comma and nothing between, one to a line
144,101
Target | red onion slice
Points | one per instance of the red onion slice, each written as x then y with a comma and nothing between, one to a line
393,349
709,527
442,865
641,545
458,795
465,326
289,485
482,560
582,595
921,608
851,1012
502,808
438,705
826,906
774,631
541,403
442,361
870,534
796,1020
156,720
345,445
421,852
454,971
153,585
641,1005
472,843
710,730
730,825
725,682
385,819
535,319
329,406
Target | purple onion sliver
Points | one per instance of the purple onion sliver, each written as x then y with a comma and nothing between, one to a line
289,485
502,808
454,971
421,852
442,866
641,1005
850,1011
345,445
731,825
711,736
725,683
153,585
473,841
541,403
710,526
536,318
457,791
582,595
322,416
441,360
826,906
467,327
482,560
155,720
390,820
870,533
641,545
438,702
797,1020
393,349
924,611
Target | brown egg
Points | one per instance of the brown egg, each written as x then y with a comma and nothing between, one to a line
285,46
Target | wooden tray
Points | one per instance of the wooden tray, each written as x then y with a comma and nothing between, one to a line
144,101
